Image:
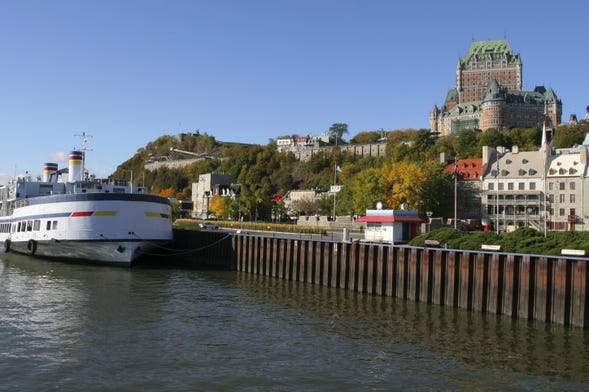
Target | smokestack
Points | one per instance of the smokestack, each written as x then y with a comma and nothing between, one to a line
76,166
49,170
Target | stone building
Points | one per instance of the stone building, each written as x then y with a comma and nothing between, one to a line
467,173
488,94
545,189
208,186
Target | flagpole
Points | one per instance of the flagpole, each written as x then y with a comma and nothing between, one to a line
334,184
455,191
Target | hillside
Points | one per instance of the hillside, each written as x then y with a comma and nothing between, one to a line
409,172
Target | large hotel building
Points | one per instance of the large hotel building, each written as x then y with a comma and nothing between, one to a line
489,94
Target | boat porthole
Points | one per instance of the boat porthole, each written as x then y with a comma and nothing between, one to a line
32,246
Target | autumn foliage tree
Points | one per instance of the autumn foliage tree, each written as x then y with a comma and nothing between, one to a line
405,182
219,206
168,192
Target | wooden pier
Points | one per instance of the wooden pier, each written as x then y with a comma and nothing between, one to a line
531,287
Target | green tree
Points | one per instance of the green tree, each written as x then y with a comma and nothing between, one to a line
337,130
527,139
568,135
492,138
368,188
466,144
367,137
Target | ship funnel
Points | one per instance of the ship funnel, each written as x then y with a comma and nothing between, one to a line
76,166
49,170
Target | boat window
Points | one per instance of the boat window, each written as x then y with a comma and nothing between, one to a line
54,225
37,225
48,225
30,225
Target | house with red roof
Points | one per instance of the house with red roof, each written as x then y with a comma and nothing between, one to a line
390,226
468,175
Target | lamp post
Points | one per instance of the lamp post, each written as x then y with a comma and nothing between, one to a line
500,152
130,171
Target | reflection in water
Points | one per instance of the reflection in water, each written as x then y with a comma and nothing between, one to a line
75,326
480,340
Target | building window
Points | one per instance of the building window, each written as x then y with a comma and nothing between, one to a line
572,198
572,186
491,186
561,197
561,212
521,186
500,186
532,186
551,186
561,186
510,186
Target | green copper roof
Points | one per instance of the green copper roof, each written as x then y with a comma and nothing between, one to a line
496,48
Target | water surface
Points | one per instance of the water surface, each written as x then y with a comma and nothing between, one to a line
84,327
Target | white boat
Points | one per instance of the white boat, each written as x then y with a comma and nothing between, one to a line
81,218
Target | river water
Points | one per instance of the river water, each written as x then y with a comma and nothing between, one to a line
95,328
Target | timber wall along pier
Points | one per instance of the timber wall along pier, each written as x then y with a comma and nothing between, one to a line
531,287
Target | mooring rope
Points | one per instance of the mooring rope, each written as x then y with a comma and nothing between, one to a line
188,251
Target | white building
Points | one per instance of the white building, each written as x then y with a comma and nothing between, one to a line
390,226
545,189
208,186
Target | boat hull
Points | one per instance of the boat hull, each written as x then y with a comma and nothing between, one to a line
104,228
122,253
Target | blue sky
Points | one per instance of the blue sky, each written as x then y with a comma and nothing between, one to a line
127,72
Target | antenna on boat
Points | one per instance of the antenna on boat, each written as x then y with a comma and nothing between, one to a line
83,150
84,137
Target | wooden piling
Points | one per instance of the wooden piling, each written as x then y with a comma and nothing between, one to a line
530,287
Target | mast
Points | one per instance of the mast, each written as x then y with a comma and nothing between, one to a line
83,150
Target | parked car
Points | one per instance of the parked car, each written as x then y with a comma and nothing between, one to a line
208,226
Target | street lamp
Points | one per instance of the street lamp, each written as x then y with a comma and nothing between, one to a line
130,171
499,155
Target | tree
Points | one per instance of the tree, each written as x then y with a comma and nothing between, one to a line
219,206
490,137
368,188
406,180
367,137
337,130
168,192
436,194
304,206
466,144
422,143
568,135
527,139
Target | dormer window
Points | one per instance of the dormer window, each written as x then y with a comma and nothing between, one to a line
533,172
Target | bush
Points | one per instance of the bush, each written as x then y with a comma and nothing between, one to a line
523,240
